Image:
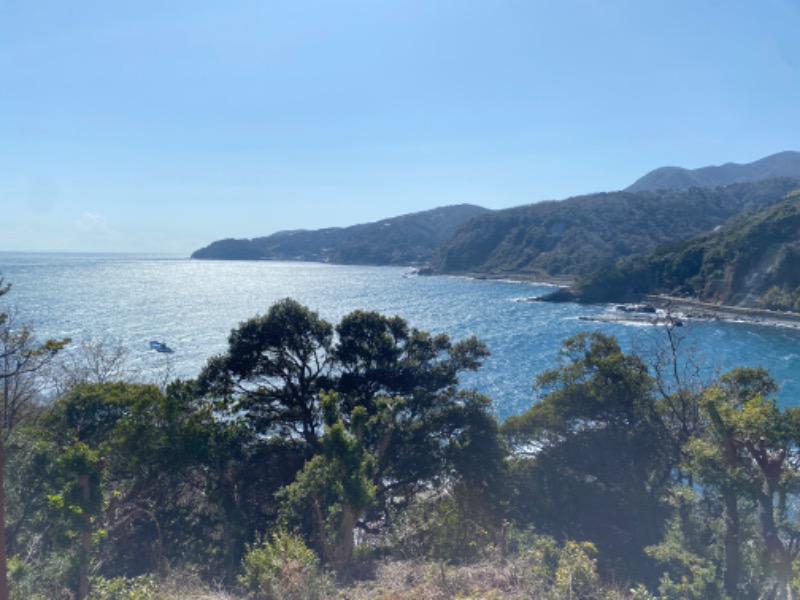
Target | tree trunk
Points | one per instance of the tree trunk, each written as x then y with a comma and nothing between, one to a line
732,555
228,501
771,465
346,545
337,552
732,551
86,538
3,561
779,555
3,558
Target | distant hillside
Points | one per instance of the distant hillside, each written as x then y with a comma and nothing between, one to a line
567,238
405,240
575,236
752,261
783,164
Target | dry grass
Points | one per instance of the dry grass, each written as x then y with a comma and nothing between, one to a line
401,580
490,579
394,580
188,586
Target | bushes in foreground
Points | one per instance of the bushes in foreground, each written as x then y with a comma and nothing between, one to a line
543,571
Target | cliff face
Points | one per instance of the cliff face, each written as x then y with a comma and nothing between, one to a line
751,261
754,258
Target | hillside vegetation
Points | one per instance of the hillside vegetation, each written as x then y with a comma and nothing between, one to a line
577,235
753,261
567,238
405,240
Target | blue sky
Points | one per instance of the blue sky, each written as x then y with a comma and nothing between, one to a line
161,126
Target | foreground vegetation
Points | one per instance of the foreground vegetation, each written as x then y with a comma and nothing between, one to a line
319,461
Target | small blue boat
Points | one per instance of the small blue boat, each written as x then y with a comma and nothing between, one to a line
159,346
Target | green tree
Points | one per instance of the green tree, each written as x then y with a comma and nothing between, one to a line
406,380
273,371
376,408
156,492
690,553
85,425
748,454
592,462
20,356
180,485
339,484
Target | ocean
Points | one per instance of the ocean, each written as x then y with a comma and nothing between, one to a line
190,305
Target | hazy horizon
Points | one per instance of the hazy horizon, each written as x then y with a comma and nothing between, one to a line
161,127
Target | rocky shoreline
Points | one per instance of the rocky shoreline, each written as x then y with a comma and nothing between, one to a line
694,309
672,311
562,281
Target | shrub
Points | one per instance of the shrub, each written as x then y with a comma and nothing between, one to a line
576,575
438,528
123,588
283,568
44,579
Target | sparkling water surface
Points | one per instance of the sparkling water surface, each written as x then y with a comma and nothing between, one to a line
192,305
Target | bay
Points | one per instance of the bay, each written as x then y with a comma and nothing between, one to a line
130,299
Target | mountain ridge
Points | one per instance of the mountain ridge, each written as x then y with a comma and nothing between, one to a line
409,239
565,238
781,164
575,236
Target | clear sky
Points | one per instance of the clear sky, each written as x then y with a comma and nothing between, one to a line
161,125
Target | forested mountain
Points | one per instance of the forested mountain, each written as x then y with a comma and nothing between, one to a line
404,240
575,236
752,261
783,164
567,238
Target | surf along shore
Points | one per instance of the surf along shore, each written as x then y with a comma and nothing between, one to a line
695,309
670,308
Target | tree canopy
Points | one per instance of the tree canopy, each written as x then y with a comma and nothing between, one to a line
373,402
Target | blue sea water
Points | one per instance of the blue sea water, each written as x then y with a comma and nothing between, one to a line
193,305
